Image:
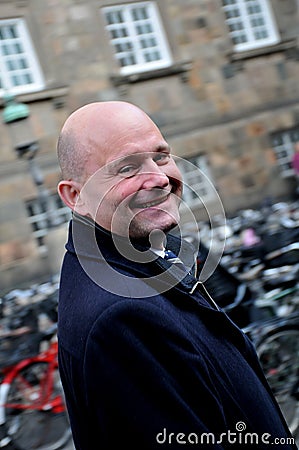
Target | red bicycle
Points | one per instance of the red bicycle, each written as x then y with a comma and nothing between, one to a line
33,415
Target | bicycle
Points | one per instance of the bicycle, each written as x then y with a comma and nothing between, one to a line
32,408
257,286
33,414
276,341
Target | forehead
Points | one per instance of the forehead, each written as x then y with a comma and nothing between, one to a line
140,138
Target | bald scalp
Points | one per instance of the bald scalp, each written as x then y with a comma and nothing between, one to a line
89,129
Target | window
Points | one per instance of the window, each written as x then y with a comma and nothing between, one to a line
19,69
250,23
283,145
137,37
198,187
45,213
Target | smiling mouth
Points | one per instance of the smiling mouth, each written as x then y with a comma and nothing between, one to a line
152,203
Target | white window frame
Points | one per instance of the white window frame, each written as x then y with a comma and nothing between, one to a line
244,24
26,55
196,174
283,144
133,39
40,219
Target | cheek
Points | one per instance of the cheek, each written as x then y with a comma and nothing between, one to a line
96,198
175,175
125,190
174,172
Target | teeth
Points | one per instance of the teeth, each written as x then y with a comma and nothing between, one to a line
154,203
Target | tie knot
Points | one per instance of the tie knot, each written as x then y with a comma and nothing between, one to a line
174,259
169,255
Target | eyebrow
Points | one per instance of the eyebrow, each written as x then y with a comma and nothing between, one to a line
163,147
160,148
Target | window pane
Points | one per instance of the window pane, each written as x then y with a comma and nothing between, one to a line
27,78
139,14
127,61
23,64
13,32
11,65
144,29
17,48
114,17
145,43
5,50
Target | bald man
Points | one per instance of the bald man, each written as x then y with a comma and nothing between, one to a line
147,359
135,180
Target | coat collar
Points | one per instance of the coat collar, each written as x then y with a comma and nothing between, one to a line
90,241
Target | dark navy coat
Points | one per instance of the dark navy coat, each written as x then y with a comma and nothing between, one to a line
151,363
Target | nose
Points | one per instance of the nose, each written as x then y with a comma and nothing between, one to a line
154,176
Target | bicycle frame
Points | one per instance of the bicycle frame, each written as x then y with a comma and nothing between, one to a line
40,400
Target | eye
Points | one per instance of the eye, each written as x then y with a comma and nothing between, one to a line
161,158
128,170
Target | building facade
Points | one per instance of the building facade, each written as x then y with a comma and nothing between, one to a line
219,77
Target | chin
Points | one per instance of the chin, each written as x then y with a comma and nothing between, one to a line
143,230
167,227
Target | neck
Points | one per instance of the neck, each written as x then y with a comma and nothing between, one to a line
140,243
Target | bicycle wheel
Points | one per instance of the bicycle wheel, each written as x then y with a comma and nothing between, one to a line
279,356
35,414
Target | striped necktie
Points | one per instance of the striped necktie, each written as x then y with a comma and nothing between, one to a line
174,259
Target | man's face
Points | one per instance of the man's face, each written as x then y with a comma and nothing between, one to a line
135,186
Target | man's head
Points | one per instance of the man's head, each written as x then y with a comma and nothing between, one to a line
117,169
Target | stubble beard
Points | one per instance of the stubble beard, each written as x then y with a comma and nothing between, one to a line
142,231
